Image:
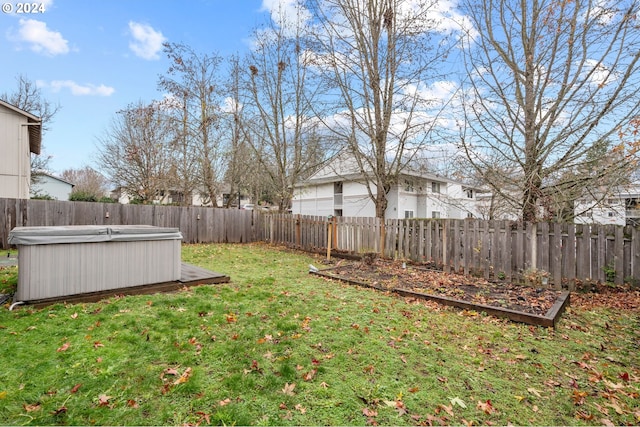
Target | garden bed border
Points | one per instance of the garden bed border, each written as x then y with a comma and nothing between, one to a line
550,319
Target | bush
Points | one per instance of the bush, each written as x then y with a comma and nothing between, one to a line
82,196
107,200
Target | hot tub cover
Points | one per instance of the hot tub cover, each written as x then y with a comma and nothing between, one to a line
90,233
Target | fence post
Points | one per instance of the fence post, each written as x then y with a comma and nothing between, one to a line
445,246
298,232
534,246
329,235
382,236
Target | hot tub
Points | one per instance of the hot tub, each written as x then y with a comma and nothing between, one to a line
54,262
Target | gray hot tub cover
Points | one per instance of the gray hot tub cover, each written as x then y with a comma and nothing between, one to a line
90,233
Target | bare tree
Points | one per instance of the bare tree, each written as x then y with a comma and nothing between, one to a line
281,91
549,83
28,97
239,170
88,181
192,79
134,152
380,56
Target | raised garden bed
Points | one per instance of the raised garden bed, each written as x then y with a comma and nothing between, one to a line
534,306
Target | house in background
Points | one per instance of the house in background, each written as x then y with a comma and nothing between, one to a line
49,185
20,135
620,207
339,189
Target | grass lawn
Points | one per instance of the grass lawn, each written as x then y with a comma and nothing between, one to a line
277,346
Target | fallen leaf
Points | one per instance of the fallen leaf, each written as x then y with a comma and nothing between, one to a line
324,385
103,400
3,394
184,377
400,408
584,416
300,408
64,347
74,316
369,412
203,416
31,408
97,344
459,402
224,402
76,388
578,397
486,407
448,409
615,407
534,392
288,389
309,375
60,410
606,422
170,371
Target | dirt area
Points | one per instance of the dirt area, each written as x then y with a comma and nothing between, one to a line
391,275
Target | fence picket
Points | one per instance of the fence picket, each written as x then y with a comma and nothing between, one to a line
568,252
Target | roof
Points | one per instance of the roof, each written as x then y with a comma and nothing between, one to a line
349,171
57,178
34,128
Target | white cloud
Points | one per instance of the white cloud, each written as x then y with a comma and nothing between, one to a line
42,39
87,89
598,73
286,13
146,42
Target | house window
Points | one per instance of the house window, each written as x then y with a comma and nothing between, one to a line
337,212
435,214
469,194
611,214
435,187
408,186
337,194
408,214
469,215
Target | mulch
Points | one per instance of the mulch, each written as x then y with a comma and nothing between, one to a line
386,274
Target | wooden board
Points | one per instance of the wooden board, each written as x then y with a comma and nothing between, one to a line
190,276
550,319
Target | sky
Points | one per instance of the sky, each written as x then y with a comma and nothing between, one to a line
95,57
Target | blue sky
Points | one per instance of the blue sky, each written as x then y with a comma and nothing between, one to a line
96,57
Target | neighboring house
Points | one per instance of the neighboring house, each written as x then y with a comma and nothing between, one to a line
48,185
20,135
171,197
620,207
416,195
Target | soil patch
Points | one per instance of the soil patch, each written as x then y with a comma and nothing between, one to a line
392,275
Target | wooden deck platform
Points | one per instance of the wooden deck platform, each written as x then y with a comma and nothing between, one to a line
190,276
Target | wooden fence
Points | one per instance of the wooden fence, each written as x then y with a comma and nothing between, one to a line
197,224
561,253
555,253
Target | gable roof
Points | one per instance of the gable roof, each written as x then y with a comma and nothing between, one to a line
34,128
53,177
344,168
